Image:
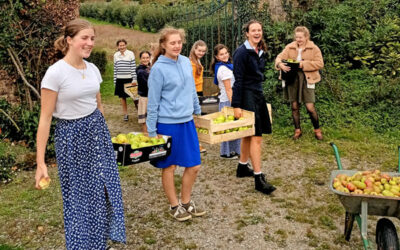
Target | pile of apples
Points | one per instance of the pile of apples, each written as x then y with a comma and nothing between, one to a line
368,182
138,140
223,119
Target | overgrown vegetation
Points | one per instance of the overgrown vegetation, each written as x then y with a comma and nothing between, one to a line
29,29
360,44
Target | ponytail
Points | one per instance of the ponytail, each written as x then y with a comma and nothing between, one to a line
61,45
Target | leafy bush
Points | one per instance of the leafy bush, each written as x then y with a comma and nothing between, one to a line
6,164
27,122
99,58
114,12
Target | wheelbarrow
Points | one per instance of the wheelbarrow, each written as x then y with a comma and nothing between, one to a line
359,206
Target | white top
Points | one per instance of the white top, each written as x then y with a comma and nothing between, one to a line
299,55
76,94
224,73
124,65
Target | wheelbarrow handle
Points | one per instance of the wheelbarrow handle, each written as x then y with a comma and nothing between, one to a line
337,156
398,164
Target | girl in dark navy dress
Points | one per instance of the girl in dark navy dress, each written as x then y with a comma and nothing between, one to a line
172,101
248,69
88,172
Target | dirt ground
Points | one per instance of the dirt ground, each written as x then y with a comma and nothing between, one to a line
301,213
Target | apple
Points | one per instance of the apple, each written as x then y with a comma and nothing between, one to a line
44,183
122,138
351,187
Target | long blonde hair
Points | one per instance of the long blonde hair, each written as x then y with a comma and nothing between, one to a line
194,58
164,34
71,29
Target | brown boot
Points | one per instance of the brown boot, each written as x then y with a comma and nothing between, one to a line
318,134
297,134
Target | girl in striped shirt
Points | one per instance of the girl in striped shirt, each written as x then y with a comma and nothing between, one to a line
124,72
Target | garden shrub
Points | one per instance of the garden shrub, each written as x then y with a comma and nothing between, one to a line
7,162
99,58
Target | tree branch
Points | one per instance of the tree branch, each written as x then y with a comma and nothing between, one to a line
19,67
13,122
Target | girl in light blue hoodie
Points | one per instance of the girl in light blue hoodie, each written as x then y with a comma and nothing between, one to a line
172,101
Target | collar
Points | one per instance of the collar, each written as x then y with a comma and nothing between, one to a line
248,46
309,45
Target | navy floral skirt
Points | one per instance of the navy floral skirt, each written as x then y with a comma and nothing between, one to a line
90,183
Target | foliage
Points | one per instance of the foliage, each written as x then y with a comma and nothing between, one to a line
99,58
147,17
27,122
7,161
29,30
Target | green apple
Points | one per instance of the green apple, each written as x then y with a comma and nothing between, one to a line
154,141
230,118
135,145
221,118
114,140
161,141
122,138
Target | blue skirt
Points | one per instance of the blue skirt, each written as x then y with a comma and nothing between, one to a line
185,151
90,183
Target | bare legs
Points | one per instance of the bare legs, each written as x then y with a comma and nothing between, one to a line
251,148
188,179
124,106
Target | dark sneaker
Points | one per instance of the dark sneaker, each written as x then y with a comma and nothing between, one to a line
230,157
243,170
193,210
180,213
262,185
126,118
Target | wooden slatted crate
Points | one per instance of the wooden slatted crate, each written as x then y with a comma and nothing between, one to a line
206,122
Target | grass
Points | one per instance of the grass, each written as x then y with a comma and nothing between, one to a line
300,169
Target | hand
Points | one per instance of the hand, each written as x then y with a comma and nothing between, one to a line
283,67
41,172
134,83
301,65
237,113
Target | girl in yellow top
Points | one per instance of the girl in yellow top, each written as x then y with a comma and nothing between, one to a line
198,50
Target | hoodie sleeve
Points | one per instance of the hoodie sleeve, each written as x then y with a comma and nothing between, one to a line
155,84
238,71
196,104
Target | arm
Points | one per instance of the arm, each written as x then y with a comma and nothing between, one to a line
48,104
228,89
284,55
239,69
155,83
196,104
133,70
316,63
99,104
115,71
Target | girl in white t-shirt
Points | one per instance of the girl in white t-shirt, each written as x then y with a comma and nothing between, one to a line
88,172
223,77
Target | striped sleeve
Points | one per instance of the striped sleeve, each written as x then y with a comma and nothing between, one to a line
133,69
115,70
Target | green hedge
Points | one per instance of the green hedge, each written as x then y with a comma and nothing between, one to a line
99,58
26,125
147,17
